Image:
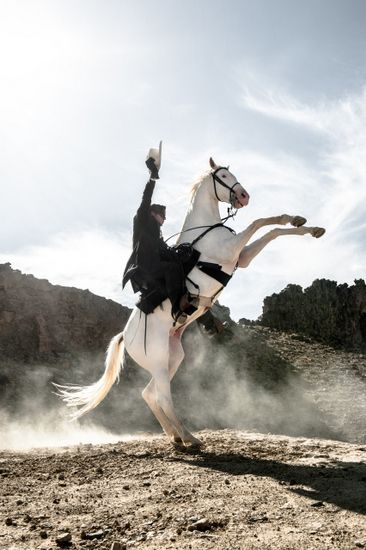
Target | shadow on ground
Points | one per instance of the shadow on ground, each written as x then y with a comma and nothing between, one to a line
342,484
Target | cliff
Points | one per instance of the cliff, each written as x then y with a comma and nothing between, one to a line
50,323
330,313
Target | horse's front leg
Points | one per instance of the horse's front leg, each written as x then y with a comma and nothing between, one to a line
244,237
250,251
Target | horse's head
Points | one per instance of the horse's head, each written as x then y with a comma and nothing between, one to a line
226,187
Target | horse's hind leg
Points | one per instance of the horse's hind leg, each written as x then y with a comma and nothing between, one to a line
165,402
149,396
176,356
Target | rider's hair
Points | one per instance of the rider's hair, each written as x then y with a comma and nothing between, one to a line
158,209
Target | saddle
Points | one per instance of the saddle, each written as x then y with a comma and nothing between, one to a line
153,293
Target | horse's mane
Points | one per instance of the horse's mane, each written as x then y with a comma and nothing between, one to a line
197,183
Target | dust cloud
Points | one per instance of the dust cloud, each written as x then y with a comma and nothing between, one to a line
234,380
246,385
32,415
50,431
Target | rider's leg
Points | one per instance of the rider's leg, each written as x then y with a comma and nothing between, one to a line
250,251
174,279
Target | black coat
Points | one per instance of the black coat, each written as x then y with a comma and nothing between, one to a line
149,248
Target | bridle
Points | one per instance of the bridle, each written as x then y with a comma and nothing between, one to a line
231,212
216,180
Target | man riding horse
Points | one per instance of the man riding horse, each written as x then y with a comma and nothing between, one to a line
155,269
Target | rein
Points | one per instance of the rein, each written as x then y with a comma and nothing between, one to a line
209,227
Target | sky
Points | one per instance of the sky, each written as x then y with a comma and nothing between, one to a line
276,90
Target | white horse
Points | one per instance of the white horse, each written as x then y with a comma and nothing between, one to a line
154,341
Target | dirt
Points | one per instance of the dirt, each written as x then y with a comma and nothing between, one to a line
241,490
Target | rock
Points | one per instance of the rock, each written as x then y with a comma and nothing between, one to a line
95,535
317,504
202,525
118,546
40,321
330,313
63,539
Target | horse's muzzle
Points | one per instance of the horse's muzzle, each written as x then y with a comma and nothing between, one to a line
241,197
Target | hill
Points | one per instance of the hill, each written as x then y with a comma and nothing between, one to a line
328,312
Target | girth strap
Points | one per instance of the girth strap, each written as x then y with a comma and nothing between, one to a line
214,271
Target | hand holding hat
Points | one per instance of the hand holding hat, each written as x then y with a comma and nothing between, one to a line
153,162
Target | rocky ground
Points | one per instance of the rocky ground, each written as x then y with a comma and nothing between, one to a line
335,379
241,490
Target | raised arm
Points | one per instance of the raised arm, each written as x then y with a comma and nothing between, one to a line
144,209
153,164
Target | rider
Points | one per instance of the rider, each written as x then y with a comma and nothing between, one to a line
152,261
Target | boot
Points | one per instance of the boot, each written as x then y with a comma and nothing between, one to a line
188,303
186,306
180,317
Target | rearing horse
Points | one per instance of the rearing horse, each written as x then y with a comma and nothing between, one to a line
154,341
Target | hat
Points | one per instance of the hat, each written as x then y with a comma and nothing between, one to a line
156,155
158,209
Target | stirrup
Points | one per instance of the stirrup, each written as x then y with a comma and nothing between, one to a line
180,317
193,304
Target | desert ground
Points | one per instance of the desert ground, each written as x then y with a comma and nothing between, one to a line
240,490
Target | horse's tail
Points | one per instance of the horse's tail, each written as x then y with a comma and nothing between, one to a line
87,398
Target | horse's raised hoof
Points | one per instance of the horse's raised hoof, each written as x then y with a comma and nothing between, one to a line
298,221
317,232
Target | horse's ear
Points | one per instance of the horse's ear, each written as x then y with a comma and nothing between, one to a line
212,163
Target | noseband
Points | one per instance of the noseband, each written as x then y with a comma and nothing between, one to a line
216,180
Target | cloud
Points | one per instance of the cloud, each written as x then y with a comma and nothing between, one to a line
330,193
285,108
92,259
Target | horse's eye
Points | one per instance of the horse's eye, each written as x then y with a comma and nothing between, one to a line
224,175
